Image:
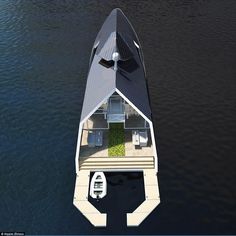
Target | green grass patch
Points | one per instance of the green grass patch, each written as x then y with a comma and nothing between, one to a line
116,140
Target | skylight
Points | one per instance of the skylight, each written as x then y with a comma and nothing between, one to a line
136,44
105,63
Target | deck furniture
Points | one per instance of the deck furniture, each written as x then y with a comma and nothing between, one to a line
98,138
95,138
139,138
91,139
135,137
143,138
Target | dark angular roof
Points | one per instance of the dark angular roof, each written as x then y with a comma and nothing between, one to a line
116,35
115,43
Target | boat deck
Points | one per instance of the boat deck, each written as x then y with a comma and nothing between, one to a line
130,149
98,219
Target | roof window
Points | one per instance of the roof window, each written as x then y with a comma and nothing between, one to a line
105,63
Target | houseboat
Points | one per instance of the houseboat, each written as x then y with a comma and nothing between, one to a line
116,130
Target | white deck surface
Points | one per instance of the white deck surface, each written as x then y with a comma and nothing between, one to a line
152,199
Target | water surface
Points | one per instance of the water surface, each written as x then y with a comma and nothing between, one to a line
189,49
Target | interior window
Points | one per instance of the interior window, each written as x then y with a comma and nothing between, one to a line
92,55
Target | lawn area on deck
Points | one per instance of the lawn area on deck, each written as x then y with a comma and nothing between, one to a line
116,140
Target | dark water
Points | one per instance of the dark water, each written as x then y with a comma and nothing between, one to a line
125,192
190,55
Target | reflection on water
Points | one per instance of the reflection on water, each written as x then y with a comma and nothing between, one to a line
189,49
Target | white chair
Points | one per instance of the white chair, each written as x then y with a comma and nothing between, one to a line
143,138
135,137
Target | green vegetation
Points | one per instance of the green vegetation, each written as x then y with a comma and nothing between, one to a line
116,137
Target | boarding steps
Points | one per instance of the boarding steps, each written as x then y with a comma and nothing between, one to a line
112,163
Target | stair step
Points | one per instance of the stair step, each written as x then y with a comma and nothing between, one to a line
116,163
94,163
114,159
117,167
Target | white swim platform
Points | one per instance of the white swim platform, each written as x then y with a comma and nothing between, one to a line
98,219
152,199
